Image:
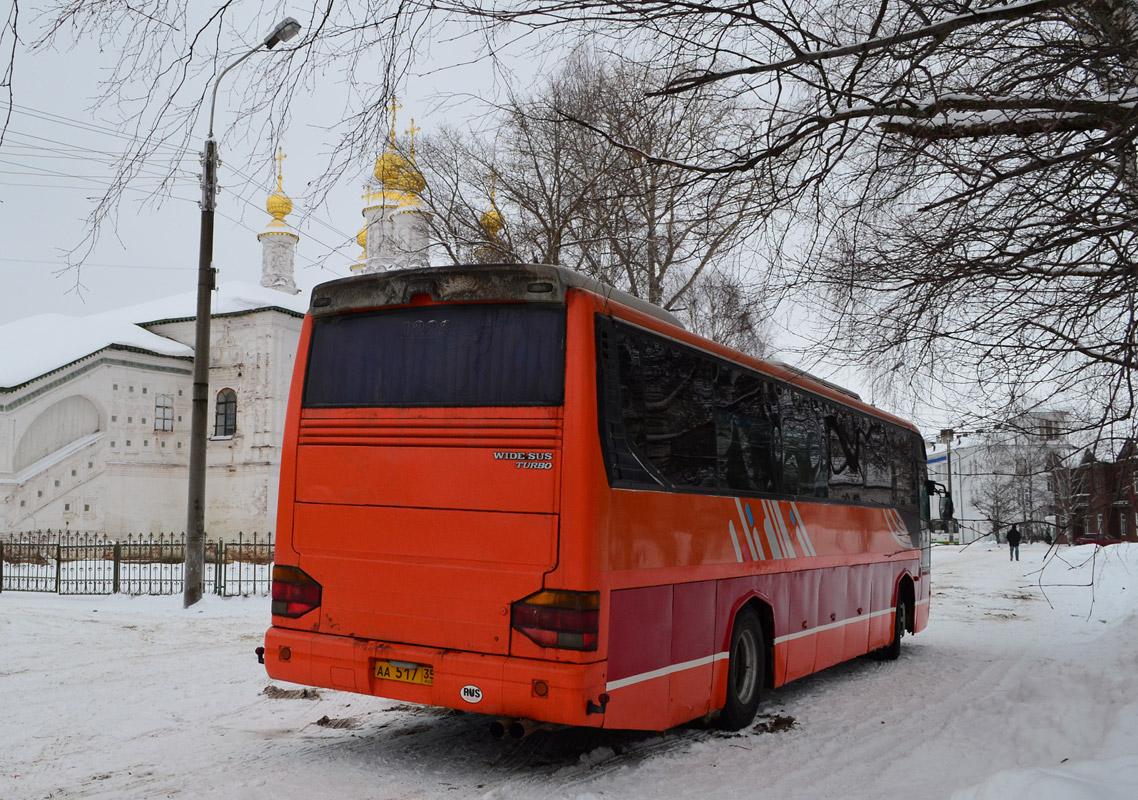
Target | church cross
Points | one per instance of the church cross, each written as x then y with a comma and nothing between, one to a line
393,108
411,132
493,176
280,173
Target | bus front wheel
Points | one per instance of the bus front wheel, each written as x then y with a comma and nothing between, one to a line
745,672
892,651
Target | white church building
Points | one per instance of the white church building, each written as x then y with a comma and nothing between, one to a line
95,419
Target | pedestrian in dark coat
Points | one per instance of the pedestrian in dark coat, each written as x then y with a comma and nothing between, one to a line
1013,543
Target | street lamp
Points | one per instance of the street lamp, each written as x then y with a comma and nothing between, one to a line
195,519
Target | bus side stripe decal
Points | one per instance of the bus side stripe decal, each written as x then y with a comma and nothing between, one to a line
800,528
756,545
752,535
748,545
783,533
668,670
761,541
772,536
700,662
735,541
897,527
756,553
831,626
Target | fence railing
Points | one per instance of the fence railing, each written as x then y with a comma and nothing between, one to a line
66,562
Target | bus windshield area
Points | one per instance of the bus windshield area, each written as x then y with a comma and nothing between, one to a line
472,355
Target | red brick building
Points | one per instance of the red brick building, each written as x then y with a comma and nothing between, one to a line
1103,496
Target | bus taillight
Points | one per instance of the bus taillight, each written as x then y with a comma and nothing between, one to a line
554,618
294,592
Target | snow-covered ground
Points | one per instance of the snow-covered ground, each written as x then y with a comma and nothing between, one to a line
1025,685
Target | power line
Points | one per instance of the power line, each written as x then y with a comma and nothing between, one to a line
88,127
93,264
110,158
345,238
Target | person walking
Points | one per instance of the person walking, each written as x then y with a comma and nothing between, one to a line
1013,543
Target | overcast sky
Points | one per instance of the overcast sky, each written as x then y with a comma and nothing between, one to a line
57,158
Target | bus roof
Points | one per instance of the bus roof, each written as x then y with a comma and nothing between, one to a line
468,282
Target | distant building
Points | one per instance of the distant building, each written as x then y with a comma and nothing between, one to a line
95,411
1000,477
1099,498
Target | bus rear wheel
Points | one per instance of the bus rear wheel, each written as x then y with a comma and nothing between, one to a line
746,668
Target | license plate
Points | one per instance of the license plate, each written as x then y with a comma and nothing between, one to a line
422,674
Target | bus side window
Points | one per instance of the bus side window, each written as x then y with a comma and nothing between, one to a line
747,432
843,440
679,394
878,466
733,432
803,448
905,469
632,408
667,404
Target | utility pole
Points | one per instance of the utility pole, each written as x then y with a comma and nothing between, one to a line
195,505
195,524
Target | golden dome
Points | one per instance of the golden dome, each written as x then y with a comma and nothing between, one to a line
279,206
389,168
492,223
361,238
399,182
411,181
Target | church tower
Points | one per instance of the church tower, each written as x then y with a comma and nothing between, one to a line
278,242
395,234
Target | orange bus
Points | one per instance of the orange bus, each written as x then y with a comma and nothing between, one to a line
517,491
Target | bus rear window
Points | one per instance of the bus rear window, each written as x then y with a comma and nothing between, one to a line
446,355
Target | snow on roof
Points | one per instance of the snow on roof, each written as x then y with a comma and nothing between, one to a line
36,345
230,297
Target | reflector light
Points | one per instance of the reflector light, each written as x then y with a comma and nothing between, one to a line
294,592
557,618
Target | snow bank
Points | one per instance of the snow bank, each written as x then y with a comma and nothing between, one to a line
1116,779
1084,699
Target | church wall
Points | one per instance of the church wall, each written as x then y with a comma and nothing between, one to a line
69,487
129,477
253,356
63,422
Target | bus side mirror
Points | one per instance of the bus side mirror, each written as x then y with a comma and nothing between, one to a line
946,507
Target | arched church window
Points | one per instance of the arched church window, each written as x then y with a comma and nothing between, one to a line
225,417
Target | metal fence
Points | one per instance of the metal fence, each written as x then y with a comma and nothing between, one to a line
66,562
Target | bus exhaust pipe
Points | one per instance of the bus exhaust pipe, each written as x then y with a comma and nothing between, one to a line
498,728
521,728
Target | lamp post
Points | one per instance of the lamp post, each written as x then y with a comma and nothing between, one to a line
195,512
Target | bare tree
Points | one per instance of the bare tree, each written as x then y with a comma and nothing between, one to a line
561,195
968,168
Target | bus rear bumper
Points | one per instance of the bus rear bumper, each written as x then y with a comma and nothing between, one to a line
486,684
